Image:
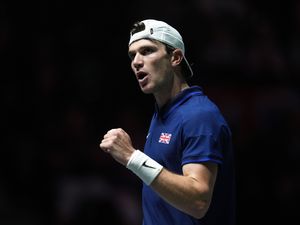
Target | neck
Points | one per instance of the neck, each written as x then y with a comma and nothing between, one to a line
168,94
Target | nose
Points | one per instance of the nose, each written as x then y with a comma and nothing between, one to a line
137,61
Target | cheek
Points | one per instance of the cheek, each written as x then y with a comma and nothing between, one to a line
160,66
131,64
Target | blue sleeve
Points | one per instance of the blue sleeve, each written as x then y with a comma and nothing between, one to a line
203,138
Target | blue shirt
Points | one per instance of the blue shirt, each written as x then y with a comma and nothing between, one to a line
190,129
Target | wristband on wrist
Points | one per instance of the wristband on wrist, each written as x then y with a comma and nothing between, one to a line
144,167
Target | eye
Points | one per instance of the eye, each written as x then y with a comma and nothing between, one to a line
131,55
147,50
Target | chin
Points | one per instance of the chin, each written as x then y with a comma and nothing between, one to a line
147,90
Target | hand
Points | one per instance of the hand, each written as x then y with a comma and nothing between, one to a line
118,144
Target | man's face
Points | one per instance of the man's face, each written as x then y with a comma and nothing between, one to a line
151,64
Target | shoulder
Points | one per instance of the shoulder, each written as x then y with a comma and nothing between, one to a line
201,115
200,107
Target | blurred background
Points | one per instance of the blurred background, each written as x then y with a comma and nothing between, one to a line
66,80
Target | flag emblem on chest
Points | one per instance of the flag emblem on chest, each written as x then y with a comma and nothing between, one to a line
165,138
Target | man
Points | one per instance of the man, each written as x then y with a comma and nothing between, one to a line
187,163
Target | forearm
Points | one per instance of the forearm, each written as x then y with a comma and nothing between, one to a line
183,192
190,192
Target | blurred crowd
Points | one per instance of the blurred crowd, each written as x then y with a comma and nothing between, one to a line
66,80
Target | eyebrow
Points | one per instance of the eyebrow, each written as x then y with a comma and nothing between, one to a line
141,48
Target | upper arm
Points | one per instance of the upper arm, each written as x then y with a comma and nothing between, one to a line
204,173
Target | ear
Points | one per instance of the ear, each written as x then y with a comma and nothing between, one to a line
177,57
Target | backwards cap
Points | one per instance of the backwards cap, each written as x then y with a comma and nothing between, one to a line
163,32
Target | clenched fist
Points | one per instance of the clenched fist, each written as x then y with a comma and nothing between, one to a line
118,144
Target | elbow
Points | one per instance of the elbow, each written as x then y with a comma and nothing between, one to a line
200,203
199,209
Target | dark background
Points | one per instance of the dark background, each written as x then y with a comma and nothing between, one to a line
66,80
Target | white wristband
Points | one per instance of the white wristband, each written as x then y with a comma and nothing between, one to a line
144,167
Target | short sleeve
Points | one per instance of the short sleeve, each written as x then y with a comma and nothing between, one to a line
204,138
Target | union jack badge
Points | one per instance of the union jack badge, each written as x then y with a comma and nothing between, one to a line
165,138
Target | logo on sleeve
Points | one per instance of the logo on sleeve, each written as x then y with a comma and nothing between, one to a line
165,138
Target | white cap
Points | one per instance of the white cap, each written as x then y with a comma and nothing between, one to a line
163,32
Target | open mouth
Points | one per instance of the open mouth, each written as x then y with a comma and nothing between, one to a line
141,75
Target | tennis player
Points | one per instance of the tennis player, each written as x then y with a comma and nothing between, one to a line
187,165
